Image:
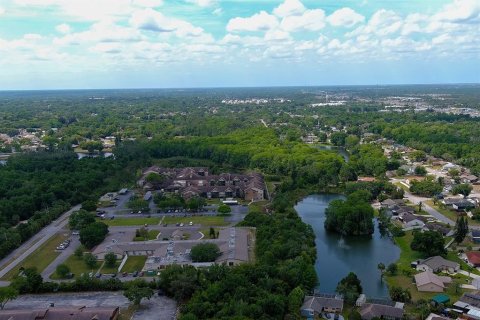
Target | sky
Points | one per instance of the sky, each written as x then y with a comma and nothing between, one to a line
75,44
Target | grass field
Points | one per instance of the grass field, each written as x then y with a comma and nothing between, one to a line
106,270
122,222
152,235
134,263
206,232
202,220
40,258
76,266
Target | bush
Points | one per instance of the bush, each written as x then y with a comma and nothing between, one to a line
223,208
110,259
62,270
90,260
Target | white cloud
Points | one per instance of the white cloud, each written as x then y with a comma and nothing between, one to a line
63,28
105,31
203,3
148,3
32,36
345,17
2,11
311,20
152,20
218,11
96,11
277,35
258,22
289,8
460,11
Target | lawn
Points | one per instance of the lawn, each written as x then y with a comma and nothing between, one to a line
206,232
122,222
134,263
152,235
453,290
202,220
407,255
40,258
107,270
77,267
452,215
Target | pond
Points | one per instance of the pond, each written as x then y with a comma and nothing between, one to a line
338,255
341,151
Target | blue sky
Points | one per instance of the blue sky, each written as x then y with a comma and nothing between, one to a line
59,44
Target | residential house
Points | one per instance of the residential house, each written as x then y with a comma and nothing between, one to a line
469,178
473,258
435,226
411,221
321,303
463,205
449,166
476,236
197,181
383,311
468,301
433,316
438,264
430,282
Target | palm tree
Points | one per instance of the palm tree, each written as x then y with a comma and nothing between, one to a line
381,267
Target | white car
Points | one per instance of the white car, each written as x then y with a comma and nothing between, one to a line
181,224
190,223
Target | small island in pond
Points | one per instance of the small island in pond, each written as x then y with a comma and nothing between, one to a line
350,217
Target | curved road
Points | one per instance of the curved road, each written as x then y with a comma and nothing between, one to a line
22,252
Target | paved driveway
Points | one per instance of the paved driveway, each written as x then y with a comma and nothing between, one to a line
35,242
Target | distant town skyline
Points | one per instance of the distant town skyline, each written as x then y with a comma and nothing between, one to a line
84,44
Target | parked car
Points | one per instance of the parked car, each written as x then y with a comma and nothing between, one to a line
190,223
124,274
75,233
135,274
141,274
98,275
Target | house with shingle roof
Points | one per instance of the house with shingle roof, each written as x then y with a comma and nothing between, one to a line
438,264
430,282
321,303
382,311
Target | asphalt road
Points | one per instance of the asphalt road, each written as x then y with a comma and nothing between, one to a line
157,308
18,255
75,243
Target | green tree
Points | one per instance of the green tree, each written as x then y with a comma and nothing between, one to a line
464,189
93,234
351,142
392,269
110,259
223,208
136,293
338,138
400,294
80,219
7,294
381,267
205,252
62,270
430,243
90,260
461,229
418,155
295,300
420,171
350,287
89,205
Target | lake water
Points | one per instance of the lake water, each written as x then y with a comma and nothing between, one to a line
341,151
337,255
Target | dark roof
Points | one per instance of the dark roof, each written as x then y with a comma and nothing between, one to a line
61,313
471,299
318,303
370,310
475,233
